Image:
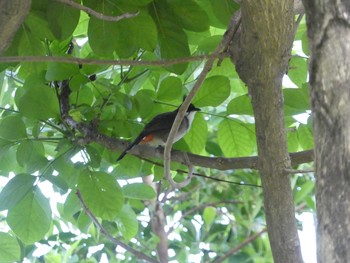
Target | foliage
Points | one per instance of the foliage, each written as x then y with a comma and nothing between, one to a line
37,147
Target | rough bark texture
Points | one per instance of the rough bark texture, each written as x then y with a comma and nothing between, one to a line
265,44
329,33
12,14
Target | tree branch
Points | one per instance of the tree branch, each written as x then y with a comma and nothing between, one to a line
234,250
115,241
88,61
97,14
232,29
91,134
158,220
219,163
12,14
202,175
265,45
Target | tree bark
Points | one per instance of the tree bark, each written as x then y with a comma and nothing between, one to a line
329,33
265,43
12,14
158,221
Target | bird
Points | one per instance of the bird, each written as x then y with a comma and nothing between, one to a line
156,132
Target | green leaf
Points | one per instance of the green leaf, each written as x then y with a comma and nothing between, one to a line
95,156
9,163
60,185
37,100
136,2
124,36
296,100
84,222
72,205
143,101
209,215
310,202
306,139
223,10
101,193
302,29
173,41
170,89
298,70
305,190
83,96
67,172
305,44
241,105
129,167
158,173
78,81
139,191
82,27
30,219
102,36
15,190
60,71
213,92
38,25
10,250
12,128
5,145
236,138
65,20
30,46
31,155
197,135
208,44
137,32
127,222
213,148
52,257
293,142
228,69
190,15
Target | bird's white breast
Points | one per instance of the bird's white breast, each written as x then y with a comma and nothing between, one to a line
185,125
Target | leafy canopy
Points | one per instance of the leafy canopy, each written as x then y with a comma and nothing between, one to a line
37,146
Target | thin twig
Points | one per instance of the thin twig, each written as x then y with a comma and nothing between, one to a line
115,241
183,108
9,110
234,250
89,61
297,23
202,175
184,183
292,171
97,14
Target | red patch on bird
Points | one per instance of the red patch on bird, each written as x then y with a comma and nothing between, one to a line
147,139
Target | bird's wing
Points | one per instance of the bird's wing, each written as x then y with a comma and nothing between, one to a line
162,122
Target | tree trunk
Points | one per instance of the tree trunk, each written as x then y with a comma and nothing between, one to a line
12,14
329,34
265,44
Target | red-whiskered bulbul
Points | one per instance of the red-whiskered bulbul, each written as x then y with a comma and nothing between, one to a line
156,132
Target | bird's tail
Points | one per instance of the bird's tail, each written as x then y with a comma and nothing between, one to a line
130,146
